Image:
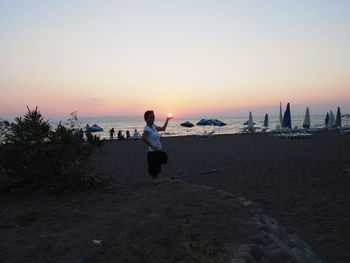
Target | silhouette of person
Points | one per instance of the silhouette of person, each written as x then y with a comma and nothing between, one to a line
120,135
111,133
88,132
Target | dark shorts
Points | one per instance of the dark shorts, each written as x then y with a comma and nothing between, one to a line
154,167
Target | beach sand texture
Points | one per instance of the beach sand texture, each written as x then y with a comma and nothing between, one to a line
303,183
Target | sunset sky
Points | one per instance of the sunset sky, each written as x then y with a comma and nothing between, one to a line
191,58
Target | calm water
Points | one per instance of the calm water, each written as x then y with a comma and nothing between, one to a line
234,125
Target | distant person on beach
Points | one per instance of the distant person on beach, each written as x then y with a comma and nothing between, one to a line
111,133
127,135
120,135
151,137
87,132
136,134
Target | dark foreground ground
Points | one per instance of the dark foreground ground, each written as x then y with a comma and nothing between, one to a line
304,184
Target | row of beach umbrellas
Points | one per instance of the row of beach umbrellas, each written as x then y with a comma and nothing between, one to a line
330,120
187,124
204,122
285,121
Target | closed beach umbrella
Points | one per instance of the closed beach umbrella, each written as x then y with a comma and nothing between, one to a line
307,123
338,118
187,124
94,128
250,124
281,118
266,120
250,121
331,121
287,120
326,120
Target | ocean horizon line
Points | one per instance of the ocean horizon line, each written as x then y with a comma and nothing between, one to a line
140,117
108,118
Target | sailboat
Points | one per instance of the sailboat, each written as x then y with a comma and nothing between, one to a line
250,124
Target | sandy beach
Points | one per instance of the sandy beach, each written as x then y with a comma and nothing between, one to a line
302,183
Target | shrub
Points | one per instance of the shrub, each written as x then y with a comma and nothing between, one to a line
42,157
73,121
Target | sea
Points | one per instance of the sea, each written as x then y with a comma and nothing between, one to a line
234,125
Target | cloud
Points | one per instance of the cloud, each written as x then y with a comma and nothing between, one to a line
96,102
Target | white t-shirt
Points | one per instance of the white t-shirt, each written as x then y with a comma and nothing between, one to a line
136,134
153,137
